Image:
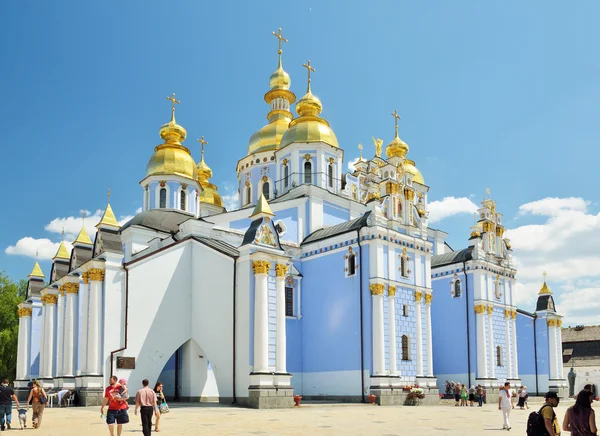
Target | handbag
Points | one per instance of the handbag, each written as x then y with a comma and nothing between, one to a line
43,399
163,408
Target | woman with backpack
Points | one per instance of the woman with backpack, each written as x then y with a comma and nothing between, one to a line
580,419
38,399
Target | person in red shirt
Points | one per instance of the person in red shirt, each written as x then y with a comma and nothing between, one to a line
117,407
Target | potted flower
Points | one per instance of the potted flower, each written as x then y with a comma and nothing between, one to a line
372,398
297,399
413,397
407,388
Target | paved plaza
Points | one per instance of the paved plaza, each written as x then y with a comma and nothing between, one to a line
309,419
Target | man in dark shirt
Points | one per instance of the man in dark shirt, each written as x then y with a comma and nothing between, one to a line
7,395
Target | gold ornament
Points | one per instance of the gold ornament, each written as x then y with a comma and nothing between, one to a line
71,288
24,311
428,298
86,277
507,313
391,291
559,323
490,310
61,290
281,270
51,298
480,309
551,323
418,295
261,267
377,288
96,274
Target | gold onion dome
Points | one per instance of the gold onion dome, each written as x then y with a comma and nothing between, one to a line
209,194
280,79
396,148
409,167
309,127
172,158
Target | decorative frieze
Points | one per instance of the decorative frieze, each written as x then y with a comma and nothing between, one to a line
96,274
480,309
377,288
49,299
552,323
261,267
24,311
281,270
71,288
391,291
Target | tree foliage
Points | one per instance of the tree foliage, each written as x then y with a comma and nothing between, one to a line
11,294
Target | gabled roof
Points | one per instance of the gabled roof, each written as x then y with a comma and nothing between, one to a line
452,257
162,220
581,333
338,229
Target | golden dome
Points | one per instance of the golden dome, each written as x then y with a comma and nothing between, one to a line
409,167
396,148
209,195
269,136
545,289
309,127
280,79
172,158
204,171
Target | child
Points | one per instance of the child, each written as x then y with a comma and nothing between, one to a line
23,418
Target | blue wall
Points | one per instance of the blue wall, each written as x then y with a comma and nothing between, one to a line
526,352
333,215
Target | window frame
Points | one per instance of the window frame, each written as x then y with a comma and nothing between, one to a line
183,200
405,347
308,174
162,189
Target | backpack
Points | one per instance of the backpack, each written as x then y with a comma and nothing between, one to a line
535,423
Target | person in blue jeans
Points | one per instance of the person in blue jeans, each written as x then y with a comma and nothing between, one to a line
7,395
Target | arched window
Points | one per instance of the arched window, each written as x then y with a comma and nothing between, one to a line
162,203
248,195
330,175
400,207
307,172
499,356
405,347
351,264
265,190
182,198
286,176
457,290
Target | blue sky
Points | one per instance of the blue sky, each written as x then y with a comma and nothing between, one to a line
492,94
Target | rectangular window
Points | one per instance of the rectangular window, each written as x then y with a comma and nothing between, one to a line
289,301
405,310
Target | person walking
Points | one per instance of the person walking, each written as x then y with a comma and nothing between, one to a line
580,418
480,395
117,407
145,401
7,395
523,395
160,402
506,404
548,416
38,399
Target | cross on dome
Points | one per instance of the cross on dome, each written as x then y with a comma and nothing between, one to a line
173,100
309,68
396,118
203,142
280,39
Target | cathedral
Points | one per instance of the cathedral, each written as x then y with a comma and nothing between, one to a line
321,283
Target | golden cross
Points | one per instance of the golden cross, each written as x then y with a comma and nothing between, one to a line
544,274
37,252
360,147
63,232
396,118
203,142
488,192
173,101
309,68
109,195
280,38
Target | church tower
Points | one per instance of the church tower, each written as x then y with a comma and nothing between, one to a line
171,180
257,171
209,201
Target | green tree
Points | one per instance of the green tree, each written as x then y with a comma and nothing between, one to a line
11,294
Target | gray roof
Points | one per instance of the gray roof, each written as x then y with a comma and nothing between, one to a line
339,229
59,270
220,246
581,334
162,220
452,257
111,241
79,256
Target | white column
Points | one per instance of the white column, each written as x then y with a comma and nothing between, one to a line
378,332
419,338
94,345
41,365
491,342
84,292
552,339
482,369
428,338
509,361
23,363
60,330
261,316
559,360
280,344
71,290
514,344
51,300
392,328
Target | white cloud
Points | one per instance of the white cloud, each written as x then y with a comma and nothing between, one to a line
351,164
554,206
450,206
231,196
29,246
565,244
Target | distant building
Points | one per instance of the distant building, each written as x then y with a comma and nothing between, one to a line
581,351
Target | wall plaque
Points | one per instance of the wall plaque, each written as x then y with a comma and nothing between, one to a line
126,362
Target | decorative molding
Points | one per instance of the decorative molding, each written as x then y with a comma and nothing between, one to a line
50,298
96,274
428,298
281,270
507,313
86,277
285,162
184,186
24,311
391,291
559,323
514,314
552,322
61,290
307,157
418,295
377,288
480,309
331,160
261,267
71,288
490,310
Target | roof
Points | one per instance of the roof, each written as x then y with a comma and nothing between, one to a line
545,302
220,246
581,333
338,229
452,257
110,239
161,220
251,232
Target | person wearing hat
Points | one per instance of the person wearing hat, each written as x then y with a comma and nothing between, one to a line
547,412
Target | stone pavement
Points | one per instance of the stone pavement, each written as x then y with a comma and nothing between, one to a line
309,419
